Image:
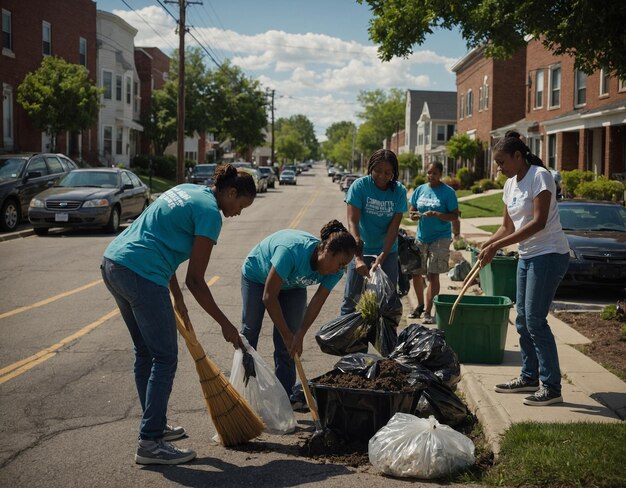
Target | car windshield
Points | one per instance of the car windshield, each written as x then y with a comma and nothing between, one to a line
288,172
204,169
581,217
91,179
12,167
265,171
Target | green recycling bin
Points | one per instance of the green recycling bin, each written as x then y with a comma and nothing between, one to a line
499,277
478,332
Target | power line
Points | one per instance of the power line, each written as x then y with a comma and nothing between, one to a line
147,23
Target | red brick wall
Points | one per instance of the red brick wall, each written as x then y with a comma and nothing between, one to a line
471,77
69,20
508,90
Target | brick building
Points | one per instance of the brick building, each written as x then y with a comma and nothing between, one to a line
30,31
490,94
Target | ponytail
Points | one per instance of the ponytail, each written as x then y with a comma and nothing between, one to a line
227,176
512,142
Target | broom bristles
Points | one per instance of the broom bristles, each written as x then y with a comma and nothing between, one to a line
234,419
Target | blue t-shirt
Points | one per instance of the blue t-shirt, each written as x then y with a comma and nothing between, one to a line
289,251
442,198
162,237
378,208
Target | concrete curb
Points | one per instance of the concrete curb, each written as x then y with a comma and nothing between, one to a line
16,235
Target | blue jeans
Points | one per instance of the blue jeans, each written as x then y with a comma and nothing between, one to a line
354,281
148,313
293,304
537,281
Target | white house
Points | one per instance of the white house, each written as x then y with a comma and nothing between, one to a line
118,118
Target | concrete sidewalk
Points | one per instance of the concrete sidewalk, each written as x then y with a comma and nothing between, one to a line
590,392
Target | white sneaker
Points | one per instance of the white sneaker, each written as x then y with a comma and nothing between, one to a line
428,319
161,452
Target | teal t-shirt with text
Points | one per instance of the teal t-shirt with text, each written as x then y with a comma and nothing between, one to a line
162,237
441,198
289,251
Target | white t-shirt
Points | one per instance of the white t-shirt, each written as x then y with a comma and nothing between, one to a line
518,198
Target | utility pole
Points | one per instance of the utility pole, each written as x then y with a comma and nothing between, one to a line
353,141
272,155
180,138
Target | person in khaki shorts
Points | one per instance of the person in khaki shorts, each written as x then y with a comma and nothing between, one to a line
434,206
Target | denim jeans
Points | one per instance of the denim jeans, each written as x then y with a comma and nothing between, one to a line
293,304
537,281
354,281
148,313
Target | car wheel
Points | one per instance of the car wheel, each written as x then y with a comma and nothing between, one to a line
41,231
10,215
114,221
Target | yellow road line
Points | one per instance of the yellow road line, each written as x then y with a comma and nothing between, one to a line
49,300
20,367
298,218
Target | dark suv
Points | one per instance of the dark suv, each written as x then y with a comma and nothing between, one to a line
22,176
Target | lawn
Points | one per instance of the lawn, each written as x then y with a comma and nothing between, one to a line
463,193
489,228
159,185
487,206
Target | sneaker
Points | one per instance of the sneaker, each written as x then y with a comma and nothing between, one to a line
161,452
172,433
417,313
543,397
518,384
428,319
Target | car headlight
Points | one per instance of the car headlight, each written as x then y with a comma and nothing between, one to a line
100,202
36,203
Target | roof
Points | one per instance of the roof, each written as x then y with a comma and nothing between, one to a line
441,104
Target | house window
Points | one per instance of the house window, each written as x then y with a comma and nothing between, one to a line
7,32
555,86
119,139
534,144
46,33
118,88
552,150
539,89
107,140
82,51
420,136
461,101
450,132
7,115
604,82
191,156
480,99
622,84
136,96
128,93
441,133
486,85
107,80
580,88
469,103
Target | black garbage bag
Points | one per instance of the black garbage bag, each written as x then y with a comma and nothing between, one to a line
427,347
408,253
344,335
439,400
404,281
360,363
382,329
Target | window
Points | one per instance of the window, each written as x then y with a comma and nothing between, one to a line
555,86
119,139
136,181
539,89
580,88
107,80
118,88
604,81
107,140
486,85
136,96
82,51
622,84
128,92
38,164
450,132
126,179
469,103
7,115
191,156
441,133
54,165
461,102
534,144
480,99
7,32
46,34
552,150
420,136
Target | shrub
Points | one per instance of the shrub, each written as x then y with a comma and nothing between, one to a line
571,179
466,178
419,180
459,244
162,166
501,180
452,182
609,313
601,189
487,184
476,188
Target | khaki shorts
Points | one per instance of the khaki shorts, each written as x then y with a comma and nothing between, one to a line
435,256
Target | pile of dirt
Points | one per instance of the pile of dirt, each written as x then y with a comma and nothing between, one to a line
391,377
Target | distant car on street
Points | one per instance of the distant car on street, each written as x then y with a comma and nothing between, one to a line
22,176
346,181
287,177
97,197
202,174
259,180
596,233
268,172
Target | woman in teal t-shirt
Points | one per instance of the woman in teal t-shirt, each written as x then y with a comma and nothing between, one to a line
375,205
275,276
138,267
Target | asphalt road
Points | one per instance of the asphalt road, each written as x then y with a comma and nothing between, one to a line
69,408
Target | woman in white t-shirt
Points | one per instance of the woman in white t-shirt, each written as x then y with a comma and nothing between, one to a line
531,218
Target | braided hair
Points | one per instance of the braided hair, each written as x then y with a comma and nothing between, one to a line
337,239
381,156
512,142
227,176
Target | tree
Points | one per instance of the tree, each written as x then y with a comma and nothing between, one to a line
338,143
290,147
382,115
460,146
301,125
59,97
593,31
160,124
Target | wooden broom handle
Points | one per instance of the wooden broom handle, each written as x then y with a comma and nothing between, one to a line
305,387
470,277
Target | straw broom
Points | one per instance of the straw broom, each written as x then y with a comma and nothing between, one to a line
233,418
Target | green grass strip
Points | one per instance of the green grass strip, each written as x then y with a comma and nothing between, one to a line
489,228
159,185
487,206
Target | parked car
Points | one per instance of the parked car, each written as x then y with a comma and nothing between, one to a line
259,180
596,232
22,176
287,177
346,181
268,172
339,173
202,174
331,171
97,197
294,168
242,164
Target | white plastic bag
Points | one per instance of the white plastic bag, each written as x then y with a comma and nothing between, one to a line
410,446
264,393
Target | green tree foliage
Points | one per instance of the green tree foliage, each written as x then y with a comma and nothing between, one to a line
382,114
572,179
411,161
601,189
296,129
289,147
59,97
338,143
160,123
591,29
460,146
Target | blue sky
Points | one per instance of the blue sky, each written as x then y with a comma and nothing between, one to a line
316,54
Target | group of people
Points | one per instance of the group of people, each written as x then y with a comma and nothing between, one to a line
184,223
